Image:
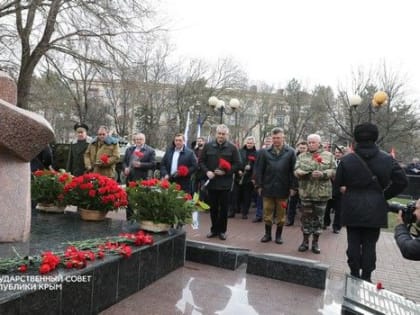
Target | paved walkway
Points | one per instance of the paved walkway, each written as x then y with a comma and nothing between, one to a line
396,273
175,294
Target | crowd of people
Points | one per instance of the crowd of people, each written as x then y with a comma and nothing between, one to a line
282,181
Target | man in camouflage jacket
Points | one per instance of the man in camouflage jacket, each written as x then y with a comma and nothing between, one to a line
314,170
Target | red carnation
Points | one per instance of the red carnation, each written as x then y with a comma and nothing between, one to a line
182,171
379,286
283,204
224,165
139,154
316,157
251,158
165,184
44,268
23,268
104,158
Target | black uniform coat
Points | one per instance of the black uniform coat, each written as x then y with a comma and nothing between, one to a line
364,202
75,160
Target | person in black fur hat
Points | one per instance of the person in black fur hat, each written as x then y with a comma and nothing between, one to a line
366,179
366,132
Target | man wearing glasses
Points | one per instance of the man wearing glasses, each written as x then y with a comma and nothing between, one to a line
102,154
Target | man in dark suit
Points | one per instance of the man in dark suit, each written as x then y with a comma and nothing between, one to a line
176,157
139,159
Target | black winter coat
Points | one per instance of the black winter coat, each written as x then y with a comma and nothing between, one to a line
209,161
364,202
248,157
274,173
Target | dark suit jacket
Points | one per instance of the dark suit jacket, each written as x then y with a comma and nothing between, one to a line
148,162
186,158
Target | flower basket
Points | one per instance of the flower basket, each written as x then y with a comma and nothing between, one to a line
50,207
92,215
95,192
47,189
154,227
160,202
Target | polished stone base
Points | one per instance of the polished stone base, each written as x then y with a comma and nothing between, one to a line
301,271
281,267
105,282
216,255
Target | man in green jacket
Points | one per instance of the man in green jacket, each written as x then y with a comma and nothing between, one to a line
314,170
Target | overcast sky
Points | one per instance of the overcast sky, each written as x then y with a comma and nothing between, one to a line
314,41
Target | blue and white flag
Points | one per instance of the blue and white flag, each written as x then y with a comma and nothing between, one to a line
187,128
199,126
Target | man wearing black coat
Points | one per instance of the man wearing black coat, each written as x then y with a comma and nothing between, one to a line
219,180
275,182
366,179
179,155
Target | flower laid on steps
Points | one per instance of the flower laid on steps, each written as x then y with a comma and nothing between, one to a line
77,254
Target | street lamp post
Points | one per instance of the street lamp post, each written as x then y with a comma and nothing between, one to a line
354,101
220,105
379,98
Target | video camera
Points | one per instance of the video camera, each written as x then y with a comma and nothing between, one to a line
407,211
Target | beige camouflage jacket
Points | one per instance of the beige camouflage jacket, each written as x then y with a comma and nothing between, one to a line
316,189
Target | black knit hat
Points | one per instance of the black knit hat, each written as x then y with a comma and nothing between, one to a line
81,125
366,132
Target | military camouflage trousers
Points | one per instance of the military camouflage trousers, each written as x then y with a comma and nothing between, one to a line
312,217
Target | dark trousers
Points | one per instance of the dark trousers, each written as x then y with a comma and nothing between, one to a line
291,208
361,250
327,215
219,205
259,205
234,206
333,204
245,197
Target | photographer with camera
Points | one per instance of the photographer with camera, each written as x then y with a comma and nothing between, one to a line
408,245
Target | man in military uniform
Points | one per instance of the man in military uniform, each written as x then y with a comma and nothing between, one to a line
75,160
314,170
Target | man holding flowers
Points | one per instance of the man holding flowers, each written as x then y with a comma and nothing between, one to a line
219,160
179,163
102,154
246,183
139,159
314,170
